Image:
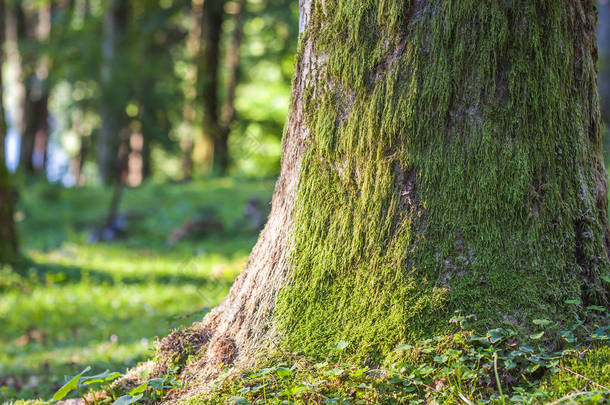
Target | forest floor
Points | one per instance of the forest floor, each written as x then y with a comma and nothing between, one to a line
73,303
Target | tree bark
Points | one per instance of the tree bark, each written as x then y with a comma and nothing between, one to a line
8,236
439,156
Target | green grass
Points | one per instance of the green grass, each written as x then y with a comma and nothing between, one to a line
72,304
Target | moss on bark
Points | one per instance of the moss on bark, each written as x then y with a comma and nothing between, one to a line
454,164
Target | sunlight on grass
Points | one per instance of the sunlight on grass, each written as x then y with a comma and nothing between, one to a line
73,304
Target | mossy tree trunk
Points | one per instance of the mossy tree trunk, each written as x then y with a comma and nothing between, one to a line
439,156
8,236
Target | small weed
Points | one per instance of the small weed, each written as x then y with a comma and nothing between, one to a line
97,389
498,367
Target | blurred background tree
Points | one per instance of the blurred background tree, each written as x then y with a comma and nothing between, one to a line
116,91
8,238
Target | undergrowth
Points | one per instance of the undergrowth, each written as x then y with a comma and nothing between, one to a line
555,365
72,304
494,368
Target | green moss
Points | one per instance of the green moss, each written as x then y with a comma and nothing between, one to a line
577,375
462,369
454,164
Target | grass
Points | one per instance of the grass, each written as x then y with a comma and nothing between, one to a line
72,304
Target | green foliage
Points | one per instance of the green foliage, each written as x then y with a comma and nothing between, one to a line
151,79
71,385
71,304
462,368
88,386
454,163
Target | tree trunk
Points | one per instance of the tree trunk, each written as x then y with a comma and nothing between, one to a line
233,55
36,114
225,120
14,34
187,159
36,129
193,45
112,110
8,236
208,80
439,156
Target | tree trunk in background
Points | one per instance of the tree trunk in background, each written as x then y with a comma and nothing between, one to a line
8,236
221,145
439,156
193,44
41,136
146,158
15,26
111,110
208,63
77,163
36,115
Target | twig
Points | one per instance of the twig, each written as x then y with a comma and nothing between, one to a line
584,378
582,355
576,394
466,400
498,377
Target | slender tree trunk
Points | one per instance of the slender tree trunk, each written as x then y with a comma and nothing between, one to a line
36,115
14,27
233,56
146,158
223,128
8,236
187,159
16,34
193,46
36,130
208,80
439,156
79,161
111,111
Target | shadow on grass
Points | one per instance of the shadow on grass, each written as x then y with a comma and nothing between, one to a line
36,369
45,274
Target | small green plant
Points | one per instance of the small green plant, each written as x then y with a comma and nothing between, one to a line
82,384
150,391
502,366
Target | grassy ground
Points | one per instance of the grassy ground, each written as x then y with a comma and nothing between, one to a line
73,304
